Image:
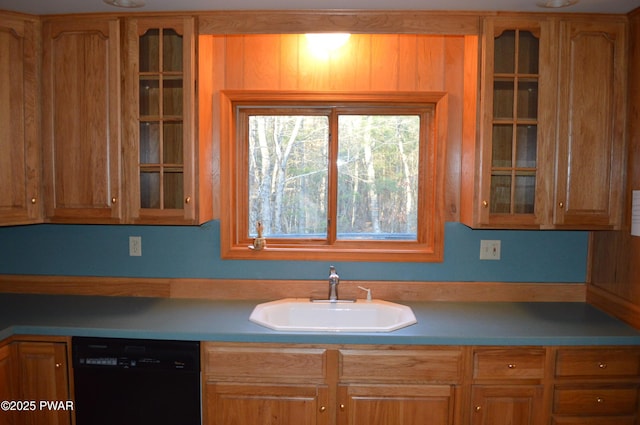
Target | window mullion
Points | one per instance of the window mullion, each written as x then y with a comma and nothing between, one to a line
332,192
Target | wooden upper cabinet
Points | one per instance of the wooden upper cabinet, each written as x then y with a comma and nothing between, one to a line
81,120
591,120
20,194
161,150
550,150
516,105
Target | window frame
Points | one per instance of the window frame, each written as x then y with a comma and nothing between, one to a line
234,237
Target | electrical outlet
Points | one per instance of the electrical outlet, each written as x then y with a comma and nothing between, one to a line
135,246
489,250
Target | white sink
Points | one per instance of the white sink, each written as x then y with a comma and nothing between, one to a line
301,314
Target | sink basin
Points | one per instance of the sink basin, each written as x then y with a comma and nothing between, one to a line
301,314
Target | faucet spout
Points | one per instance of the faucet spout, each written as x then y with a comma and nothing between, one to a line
334,280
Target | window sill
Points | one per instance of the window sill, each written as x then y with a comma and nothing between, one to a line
315,253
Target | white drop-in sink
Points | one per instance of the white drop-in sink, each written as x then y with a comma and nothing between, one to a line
301,314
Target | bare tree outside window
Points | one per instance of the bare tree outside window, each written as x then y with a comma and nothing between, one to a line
377,181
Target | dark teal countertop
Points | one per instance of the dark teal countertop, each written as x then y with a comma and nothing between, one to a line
439,323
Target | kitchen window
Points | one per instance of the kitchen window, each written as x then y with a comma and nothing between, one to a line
328,176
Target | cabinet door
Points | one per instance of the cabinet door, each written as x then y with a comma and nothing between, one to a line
507,405
591,124
20,201
256,404
395,404
6,384
81,120
159,120
516,124
42,376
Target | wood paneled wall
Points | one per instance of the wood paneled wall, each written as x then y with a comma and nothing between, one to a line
367,63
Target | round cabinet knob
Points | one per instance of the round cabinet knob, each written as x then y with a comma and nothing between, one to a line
322,408
33,200
599,400
58,365
478,408
114,200
342,407
602,365
561,204
187,200
511,366
485,204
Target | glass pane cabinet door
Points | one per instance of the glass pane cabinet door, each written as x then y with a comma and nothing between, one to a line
160,78
515,122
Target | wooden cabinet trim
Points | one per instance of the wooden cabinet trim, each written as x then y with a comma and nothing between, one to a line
400,365
286,363
598,363
509,363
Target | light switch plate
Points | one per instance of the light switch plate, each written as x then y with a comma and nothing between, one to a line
489,249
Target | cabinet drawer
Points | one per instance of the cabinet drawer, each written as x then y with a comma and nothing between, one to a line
401,365
598,362
606,420
276,363
509,363
596,401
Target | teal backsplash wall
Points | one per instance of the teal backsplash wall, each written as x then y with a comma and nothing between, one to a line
193,252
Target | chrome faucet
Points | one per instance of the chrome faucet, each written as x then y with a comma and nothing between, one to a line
334,280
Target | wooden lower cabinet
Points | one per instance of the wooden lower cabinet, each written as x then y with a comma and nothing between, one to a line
508,386
42,373
32,371
597,386
297,384
259,403
6,383
248,384
396,404
507,405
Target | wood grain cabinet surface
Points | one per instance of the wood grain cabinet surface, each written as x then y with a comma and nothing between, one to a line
398,386
407,385
508,386
551,145
118,122
597,385
81,120
20,144
41,372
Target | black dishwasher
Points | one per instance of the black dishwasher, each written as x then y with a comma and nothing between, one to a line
136,381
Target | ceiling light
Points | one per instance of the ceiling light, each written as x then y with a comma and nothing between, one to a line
556,3
321,45
125,3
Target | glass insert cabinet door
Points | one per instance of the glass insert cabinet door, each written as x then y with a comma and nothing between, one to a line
164,122
161,120
514,123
